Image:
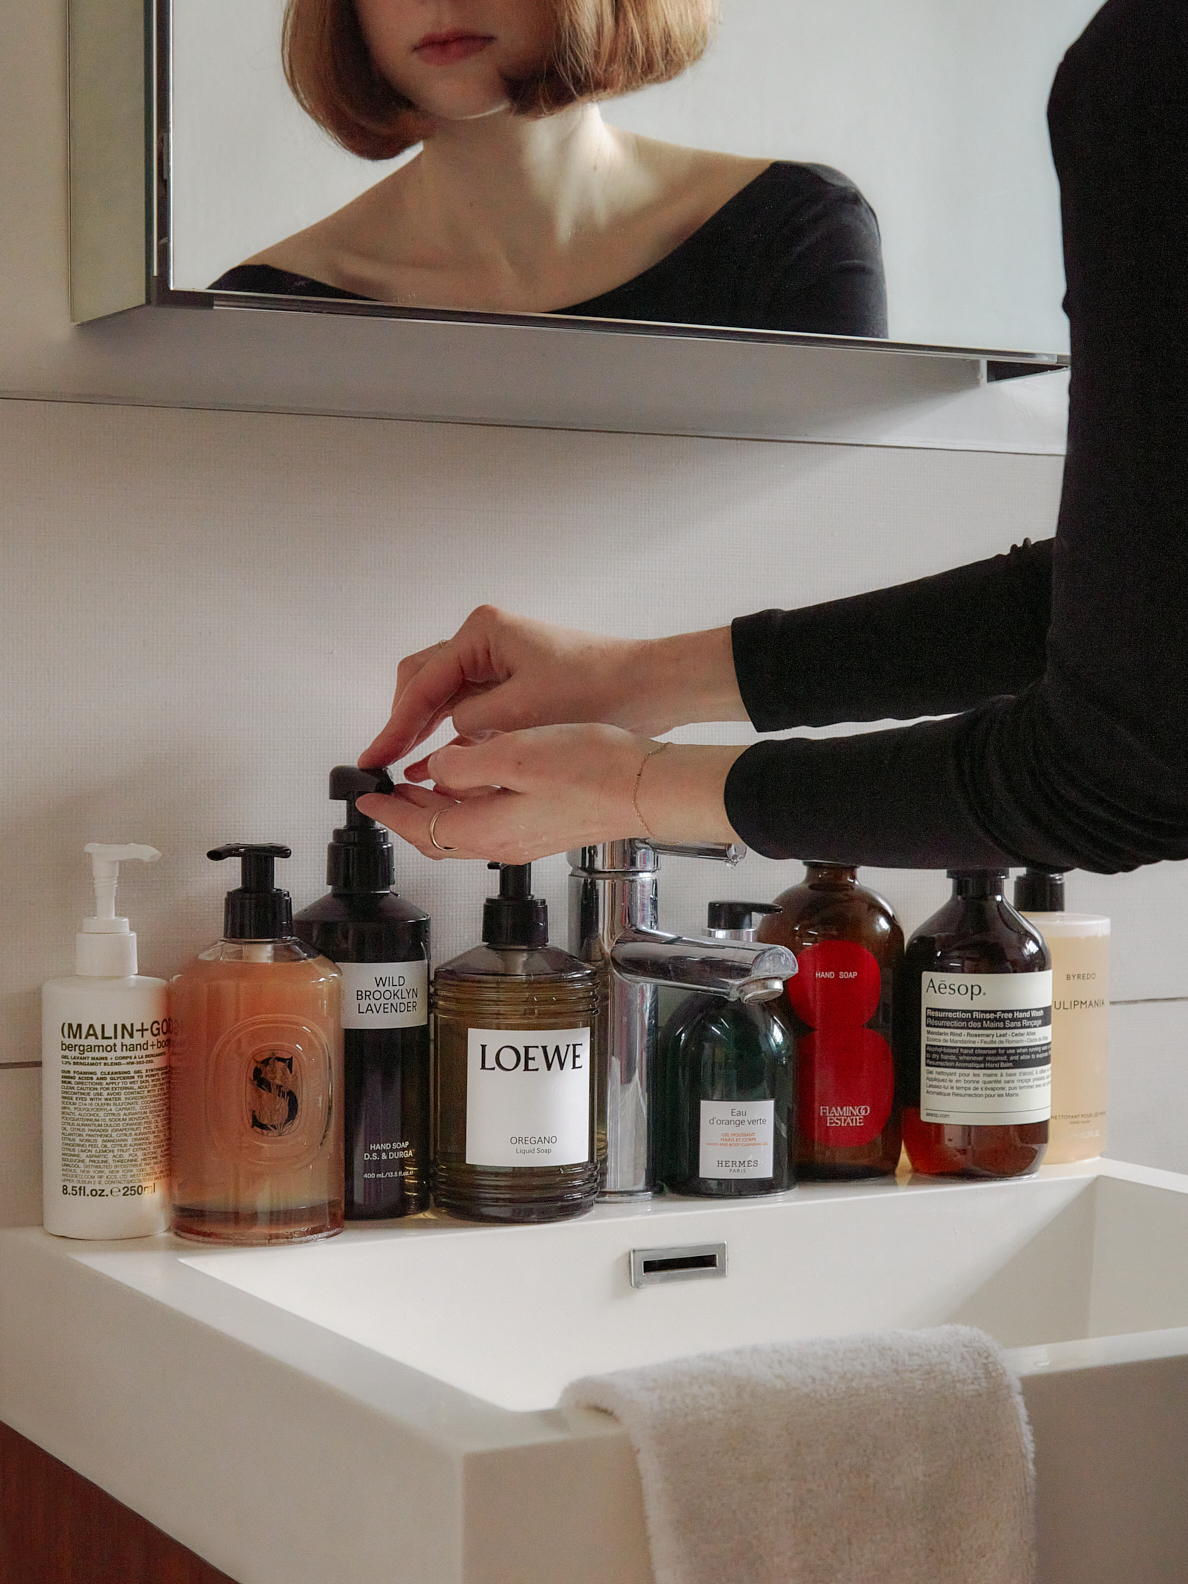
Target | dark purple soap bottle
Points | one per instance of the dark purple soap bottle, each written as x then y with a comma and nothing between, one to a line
381,945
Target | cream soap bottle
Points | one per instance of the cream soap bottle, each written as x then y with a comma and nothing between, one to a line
1080,948
105,1033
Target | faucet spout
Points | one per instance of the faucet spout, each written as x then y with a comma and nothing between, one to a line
736,969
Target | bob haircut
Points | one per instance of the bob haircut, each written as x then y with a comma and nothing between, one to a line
601,48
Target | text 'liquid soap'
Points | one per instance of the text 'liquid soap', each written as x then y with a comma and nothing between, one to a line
1080,948
105,1035
381,945
257,1075
973,1035
513,1109
848,944
727,1098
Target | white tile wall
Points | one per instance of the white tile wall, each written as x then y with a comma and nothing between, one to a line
203,611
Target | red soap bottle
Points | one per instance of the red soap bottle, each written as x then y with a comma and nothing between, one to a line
848,944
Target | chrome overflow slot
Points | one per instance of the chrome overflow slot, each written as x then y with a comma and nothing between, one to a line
690,1262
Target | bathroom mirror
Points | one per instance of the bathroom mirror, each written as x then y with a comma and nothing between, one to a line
933,108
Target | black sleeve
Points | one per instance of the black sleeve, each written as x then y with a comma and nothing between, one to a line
930,647
1086,767
817,259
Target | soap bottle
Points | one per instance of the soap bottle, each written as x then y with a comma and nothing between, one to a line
848,944
1080,948
973,1021
381,945
727,1096
513,1107
257,1075
105,1034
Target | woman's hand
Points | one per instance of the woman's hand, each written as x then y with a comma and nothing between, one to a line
523,795
502,673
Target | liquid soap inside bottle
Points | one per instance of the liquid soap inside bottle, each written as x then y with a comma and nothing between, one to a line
514,1020
848,943
257,1076
973,1036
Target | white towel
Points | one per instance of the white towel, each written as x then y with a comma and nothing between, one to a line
897,1457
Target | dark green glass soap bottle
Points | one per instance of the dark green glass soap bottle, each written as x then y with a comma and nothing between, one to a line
513,1090
727,1087
380,942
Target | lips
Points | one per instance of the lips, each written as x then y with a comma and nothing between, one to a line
444,49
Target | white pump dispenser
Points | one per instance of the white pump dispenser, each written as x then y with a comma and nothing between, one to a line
106,946
105,1037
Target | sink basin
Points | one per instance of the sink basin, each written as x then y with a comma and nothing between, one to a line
391,1394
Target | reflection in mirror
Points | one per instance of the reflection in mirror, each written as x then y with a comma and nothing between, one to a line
474,170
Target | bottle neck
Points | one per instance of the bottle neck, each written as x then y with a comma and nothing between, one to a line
984,885
820,871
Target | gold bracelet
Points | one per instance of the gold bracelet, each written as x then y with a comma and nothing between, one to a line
651,754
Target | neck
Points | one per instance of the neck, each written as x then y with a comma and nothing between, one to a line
517,191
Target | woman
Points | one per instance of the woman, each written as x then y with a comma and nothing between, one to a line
522,199
1066,662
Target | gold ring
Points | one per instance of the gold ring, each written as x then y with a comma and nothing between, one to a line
441,847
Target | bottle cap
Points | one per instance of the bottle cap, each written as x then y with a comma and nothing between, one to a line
978,874
515,917
360,856
105,948
1039,890
257,910
734,920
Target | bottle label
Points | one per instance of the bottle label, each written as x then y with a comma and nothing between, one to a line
845,1072
385,995
114,1090
736,1138
986,1048
527,1097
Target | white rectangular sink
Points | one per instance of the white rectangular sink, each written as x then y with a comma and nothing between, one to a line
395,1388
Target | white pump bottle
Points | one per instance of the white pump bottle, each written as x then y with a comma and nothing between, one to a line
105,1036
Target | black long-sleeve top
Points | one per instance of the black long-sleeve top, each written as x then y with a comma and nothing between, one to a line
1066,661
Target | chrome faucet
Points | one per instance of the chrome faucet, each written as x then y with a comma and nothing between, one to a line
613,919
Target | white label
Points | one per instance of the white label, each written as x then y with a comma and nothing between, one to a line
385,995
736,1138
527,1097
986,1048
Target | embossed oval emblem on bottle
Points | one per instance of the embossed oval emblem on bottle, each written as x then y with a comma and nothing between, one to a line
268,1092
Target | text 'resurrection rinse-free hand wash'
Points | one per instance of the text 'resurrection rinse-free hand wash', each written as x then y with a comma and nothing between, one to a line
381,945
973,1035
105,1035
1080,948
513,1107
727,1114
848,944
257,1075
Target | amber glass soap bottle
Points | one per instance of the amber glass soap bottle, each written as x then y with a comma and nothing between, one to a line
848,944
257,1075
973,1036
513,1098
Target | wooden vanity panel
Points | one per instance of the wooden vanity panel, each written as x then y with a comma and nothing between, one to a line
58,1528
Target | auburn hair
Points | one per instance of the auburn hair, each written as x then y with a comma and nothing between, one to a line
601,48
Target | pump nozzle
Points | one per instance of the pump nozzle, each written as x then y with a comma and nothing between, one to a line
257,910
360,856
515,917
106,946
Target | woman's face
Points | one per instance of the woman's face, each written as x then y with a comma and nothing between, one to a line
451,57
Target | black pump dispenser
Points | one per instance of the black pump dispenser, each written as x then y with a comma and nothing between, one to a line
360,856
1039,891
257,910
515,917
736,916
